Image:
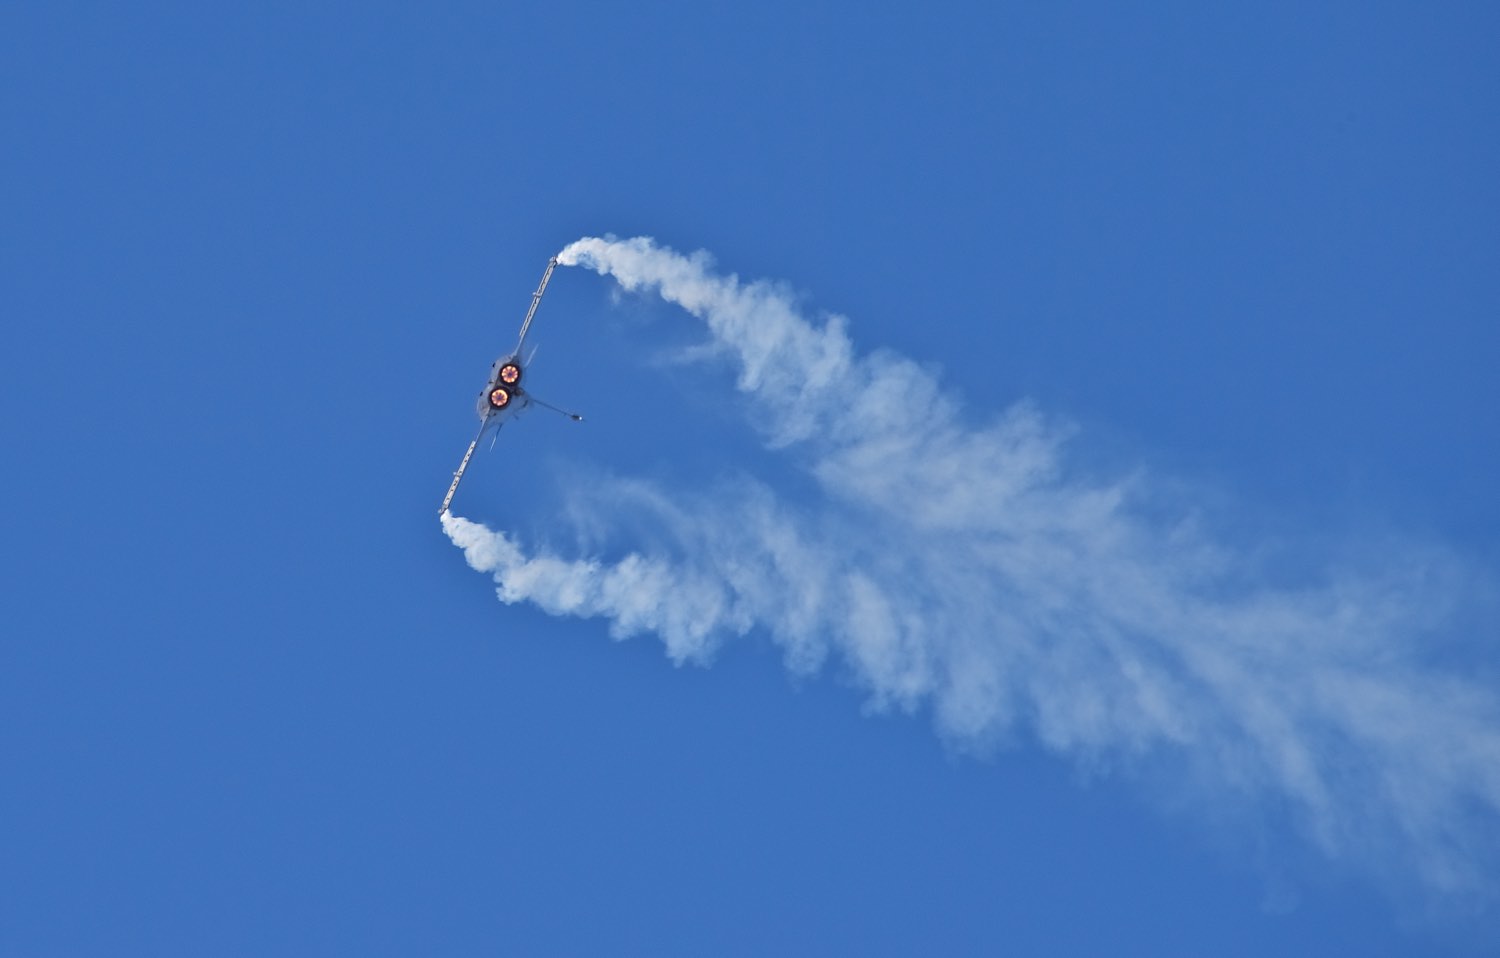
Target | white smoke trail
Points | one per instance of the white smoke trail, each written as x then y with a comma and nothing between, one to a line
965,569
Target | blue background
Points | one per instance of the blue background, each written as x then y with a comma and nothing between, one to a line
255,263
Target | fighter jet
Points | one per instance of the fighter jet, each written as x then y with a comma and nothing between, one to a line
503,397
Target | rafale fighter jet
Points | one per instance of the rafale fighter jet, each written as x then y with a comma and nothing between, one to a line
503,397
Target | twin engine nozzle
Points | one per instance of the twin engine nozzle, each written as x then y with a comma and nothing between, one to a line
500,396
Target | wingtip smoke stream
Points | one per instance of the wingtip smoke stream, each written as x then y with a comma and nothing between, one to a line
964,569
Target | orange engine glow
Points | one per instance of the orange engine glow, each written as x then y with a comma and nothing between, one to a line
510,374
499,398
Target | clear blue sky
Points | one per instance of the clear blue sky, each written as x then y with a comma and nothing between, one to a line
255,264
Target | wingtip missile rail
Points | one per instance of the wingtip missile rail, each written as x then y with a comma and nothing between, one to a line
459,475
536,300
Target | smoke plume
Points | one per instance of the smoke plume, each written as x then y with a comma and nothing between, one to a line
967,570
